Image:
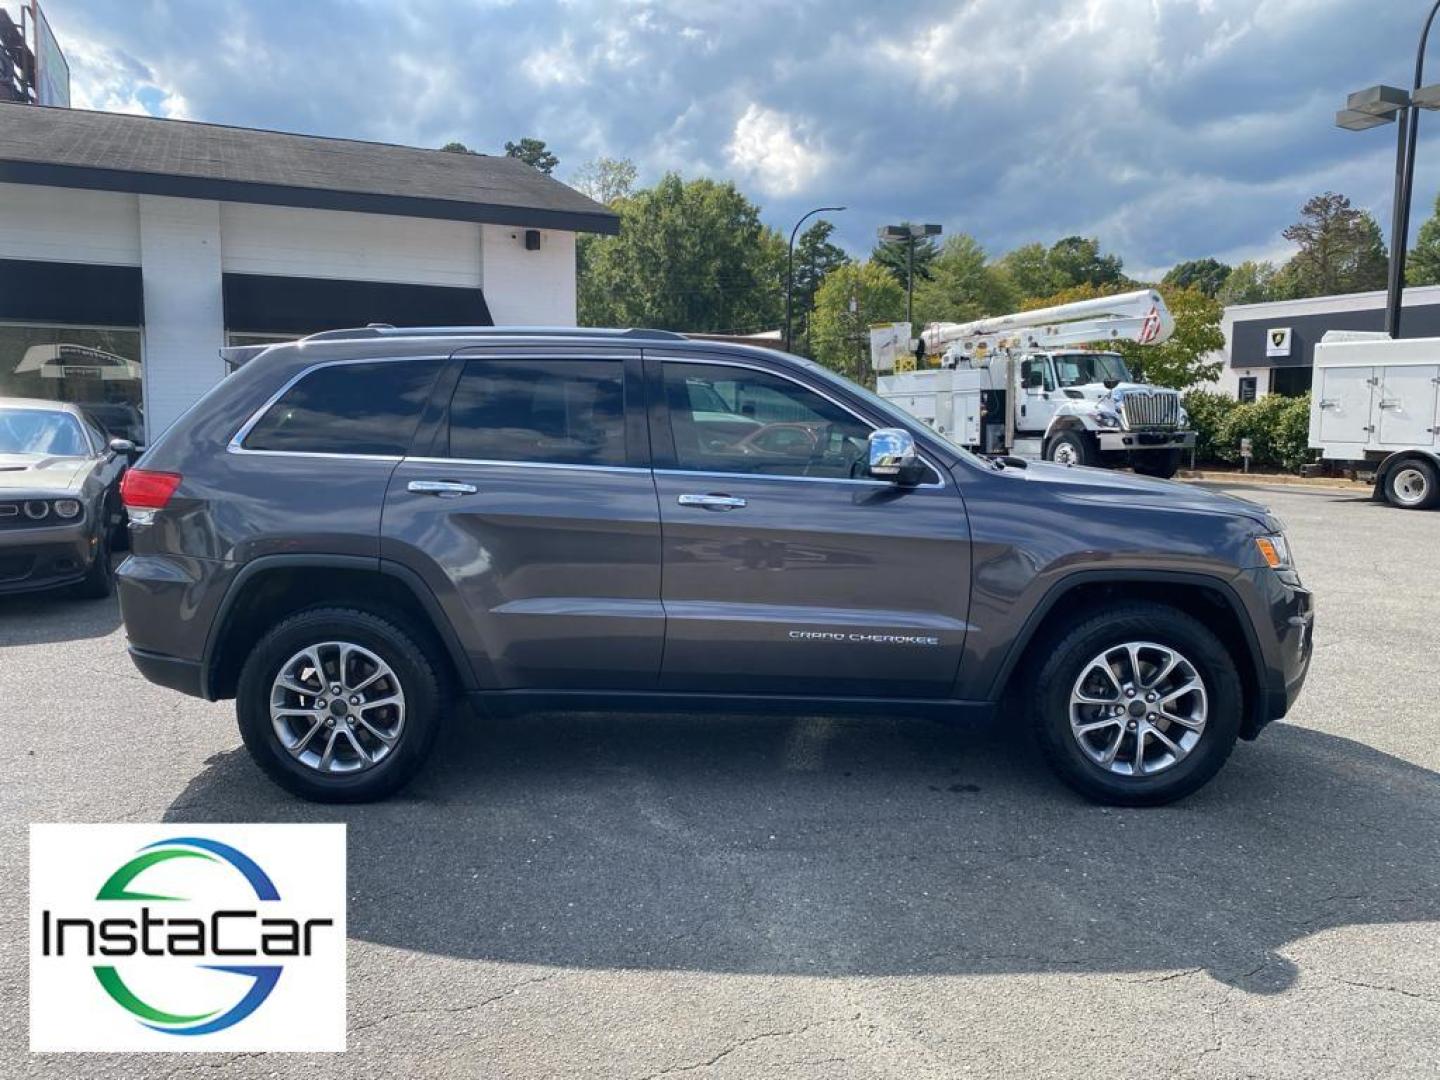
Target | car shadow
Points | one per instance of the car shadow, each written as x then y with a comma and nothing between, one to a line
55,615
875,847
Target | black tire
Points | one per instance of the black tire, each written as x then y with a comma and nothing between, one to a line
99,580
418,681
1067,653
1412,485
1161,464
1073,448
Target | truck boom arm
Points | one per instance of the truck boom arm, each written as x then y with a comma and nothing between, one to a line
1139,316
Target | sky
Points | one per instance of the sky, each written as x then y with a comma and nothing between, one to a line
1169,129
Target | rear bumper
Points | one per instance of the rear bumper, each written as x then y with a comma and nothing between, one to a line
169,671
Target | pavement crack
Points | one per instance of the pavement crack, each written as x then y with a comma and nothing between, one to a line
450,1010
1382,988
750,1040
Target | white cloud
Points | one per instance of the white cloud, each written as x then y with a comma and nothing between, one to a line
775,151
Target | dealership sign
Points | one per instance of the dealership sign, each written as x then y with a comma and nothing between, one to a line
187,938
1277,341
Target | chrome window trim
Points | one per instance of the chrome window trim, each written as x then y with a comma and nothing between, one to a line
236,445
527,464
722,362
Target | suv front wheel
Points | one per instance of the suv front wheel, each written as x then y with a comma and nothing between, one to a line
1137,706
337,705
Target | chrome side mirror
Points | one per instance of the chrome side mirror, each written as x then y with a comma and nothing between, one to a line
892,455
123,446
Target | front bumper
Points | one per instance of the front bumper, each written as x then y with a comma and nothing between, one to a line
1283,615
1146,440
46,557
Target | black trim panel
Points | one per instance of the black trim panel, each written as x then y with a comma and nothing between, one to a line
194,187
519,702
261,303
171,672
77,293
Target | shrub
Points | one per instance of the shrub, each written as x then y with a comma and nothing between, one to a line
1207,411
1278,429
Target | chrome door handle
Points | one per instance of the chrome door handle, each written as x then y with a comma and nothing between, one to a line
712,502
446,489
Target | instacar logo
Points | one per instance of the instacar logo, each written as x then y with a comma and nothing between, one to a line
188,942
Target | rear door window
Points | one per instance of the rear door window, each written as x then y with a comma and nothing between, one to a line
556,412
367,408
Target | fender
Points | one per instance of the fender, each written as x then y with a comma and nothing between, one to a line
366,563
1395,459
1070,582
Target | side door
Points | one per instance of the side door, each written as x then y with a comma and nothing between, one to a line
787,570
1406,409
1345,396
532,515
1037,389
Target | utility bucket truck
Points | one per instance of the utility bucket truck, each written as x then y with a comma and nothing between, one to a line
1024,385
1376,405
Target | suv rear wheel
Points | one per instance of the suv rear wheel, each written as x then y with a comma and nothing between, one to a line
1137,706
337,705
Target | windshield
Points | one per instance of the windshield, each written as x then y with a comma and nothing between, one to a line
40,431
1079,369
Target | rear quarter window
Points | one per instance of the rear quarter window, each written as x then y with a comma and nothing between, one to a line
362,408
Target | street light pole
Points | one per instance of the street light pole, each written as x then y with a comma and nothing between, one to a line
911,233
1405,185
790,261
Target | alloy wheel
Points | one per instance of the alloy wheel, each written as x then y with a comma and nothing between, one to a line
1138,708
337,707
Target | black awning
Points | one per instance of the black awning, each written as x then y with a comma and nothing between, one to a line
262,303
75,293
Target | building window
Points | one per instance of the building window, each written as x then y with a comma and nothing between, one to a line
94,367
1291,381
1247,388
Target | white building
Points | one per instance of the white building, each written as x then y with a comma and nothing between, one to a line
1269,348
133,248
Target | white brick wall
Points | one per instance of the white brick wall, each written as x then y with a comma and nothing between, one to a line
67,225
184,311
529,288
356,247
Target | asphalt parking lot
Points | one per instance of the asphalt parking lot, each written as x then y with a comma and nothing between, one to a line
568,896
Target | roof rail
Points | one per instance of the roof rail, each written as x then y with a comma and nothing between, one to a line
377,330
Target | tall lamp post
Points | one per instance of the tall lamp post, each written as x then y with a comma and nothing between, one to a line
1381,105
790,261
910,234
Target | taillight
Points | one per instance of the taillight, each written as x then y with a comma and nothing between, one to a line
146,489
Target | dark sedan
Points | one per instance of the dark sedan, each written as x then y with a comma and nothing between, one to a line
60,508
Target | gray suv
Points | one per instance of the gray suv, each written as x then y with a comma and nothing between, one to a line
353,529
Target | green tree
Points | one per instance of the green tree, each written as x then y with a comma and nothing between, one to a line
894,256
456,148
1207,275
852,298
1030,273
605,179
1251,282
1191,355
1341,249
815,258
534,153
690,256
1423,265
963,285
1077,261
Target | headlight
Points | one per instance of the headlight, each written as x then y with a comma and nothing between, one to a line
1106,419
37,509
67,508
1275,550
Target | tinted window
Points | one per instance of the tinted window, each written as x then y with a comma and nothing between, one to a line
565,412
728,419
349,409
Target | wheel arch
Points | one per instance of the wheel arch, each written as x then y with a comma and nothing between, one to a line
1209,599
273,586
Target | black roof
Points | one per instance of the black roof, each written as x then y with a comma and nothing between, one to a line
119,152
